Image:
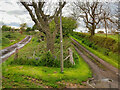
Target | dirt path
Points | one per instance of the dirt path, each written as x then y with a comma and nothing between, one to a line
7,52
104,74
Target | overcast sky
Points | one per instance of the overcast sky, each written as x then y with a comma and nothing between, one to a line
13,14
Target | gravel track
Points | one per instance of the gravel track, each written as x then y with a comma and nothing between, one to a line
7,52
103,77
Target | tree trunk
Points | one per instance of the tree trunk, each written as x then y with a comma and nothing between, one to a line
16,54
71,56
50,43
106,28
93,30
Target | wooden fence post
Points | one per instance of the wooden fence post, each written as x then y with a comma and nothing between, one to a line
16,54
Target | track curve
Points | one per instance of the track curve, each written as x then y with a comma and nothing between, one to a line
7,52
105,75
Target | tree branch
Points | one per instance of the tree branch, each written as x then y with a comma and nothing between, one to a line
37,13
30,12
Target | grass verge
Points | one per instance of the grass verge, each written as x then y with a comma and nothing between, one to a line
100,55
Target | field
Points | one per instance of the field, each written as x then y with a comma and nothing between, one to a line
17,75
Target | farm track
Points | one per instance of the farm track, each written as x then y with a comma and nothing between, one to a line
7,52
104,74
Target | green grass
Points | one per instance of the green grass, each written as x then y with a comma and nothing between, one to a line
104,35
14,36
49,76
12,81
109,35
0,76
100,55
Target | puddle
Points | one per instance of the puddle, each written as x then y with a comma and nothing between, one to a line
104,83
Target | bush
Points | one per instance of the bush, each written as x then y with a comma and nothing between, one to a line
45,60
9,35
94,47
116,32
49,60
5,41
100,32
107,52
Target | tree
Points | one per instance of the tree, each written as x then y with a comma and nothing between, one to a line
6,28
92,13
68,24
34,28
109,20
42,14
23,26
28,29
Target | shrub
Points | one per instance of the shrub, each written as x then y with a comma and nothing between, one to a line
49,60
107,52
10,36
5,41
45,60
116,32
94,47
100,32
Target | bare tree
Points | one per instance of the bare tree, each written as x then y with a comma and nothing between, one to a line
109,20
42,15
92,13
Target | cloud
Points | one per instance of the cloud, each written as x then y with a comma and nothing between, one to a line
17,12
12,13
8,2
2,11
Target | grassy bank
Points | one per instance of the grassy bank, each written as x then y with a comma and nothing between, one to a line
10,38
31,76
109,35
112,58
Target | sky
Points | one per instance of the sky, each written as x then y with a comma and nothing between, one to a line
13,14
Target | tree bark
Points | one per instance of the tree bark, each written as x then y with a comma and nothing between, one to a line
93,30
71,56
50,43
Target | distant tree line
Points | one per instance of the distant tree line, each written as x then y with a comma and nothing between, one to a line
23,28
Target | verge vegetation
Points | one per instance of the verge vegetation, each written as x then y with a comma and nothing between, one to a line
10,38
41,68
104,48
